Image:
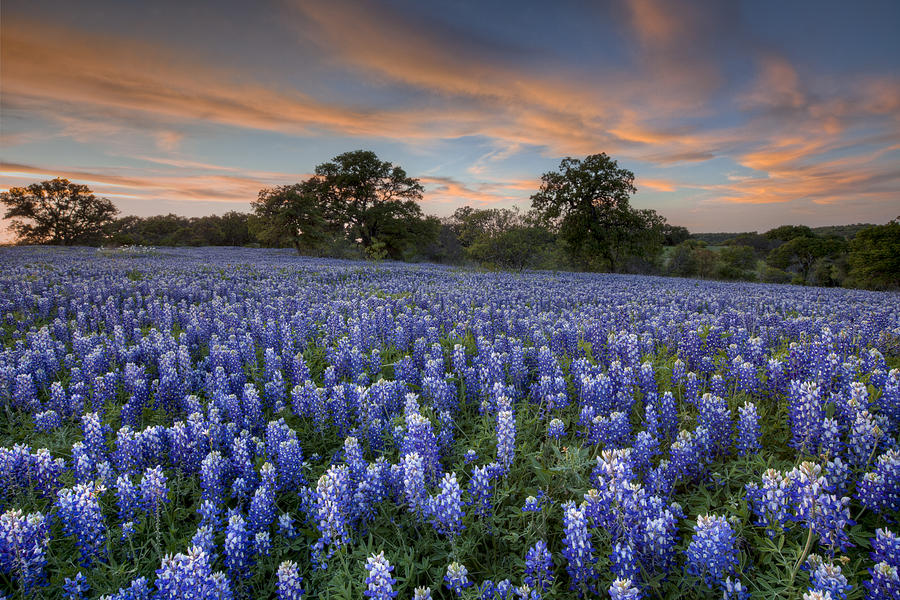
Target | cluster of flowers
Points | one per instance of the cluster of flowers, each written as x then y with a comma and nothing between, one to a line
229,367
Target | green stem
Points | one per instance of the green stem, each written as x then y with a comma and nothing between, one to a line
802,555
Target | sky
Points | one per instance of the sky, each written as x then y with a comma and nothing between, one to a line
734,116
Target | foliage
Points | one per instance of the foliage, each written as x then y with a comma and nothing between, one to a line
290,215
373,200
56,212
786,233
587,203
802,251
875,256
229,229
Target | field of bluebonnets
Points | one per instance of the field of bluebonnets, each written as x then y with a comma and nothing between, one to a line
249,424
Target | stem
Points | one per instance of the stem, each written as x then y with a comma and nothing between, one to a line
802,555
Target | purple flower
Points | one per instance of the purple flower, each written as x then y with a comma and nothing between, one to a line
539,567
379,583
578,550
712,553
457,578
289,581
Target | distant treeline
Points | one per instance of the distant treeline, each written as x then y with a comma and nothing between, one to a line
357,206
860,255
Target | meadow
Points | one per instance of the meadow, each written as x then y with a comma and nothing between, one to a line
240,423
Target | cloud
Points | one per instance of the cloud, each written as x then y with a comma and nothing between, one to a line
803,137
452,193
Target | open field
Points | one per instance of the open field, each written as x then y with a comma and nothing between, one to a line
236,423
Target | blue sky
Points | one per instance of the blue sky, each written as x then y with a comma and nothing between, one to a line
733,115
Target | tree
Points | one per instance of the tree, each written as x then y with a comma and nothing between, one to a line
474,224
736,262
290,215
518,247
57,212
875,256
374,200
801,252
587,203
675,234
786,233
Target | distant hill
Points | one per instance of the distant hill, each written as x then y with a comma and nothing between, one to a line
715,239
844,231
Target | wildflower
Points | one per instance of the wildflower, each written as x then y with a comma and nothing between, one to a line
578,550
457,578
379,582
289,581
712,553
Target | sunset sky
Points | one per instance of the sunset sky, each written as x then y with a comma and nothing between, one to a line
734,116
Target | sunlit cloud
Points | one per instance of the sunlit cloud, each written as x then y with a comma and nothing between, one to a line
667,104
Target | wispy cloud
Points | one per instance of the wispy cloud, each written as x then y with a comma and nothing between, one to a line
781,134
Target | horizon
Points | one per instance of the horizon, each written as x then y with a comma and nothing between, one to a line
733,118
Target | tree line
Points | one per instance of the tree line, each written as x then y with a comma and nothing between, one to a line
359,206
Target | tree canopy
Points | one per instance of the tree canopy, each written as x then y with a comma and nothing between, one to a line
57,212
290,215
374,200
587,203
355,197
875,256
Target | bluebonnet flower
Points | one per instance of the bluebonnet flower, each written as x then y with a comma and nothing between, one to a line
213,471
154,491
414,487
237,549
806,413
23,548
190,577
624,562
422,593
884,583
420,438
128,530
457,578
862,439
532,504
262,543
47,420
539,567
578,550
712,553
825,513
623,589
770,502
470,456
825,576
660,536
481,489
506,438
332,498
76,587
733,589
79,511
128,498
445,508
289,581
286,526
379,583
205,539
886,547
262,506
748,429
556,429
713,414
